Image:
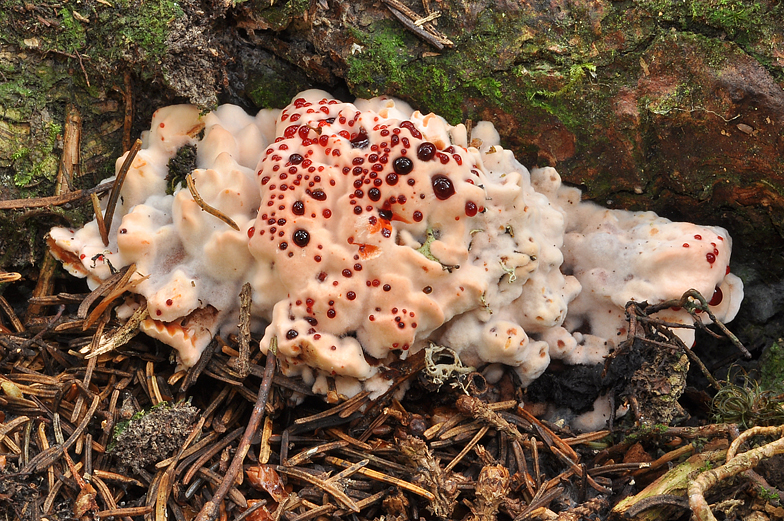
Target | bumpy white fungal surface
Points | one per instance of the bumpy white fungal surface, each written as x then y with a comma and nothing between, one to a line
369,229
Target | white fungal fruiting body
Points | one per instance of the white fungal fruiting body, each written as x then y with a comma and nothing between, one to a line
368,229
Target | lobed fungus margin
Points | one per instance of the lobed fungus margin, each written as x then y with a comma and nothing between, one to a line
367,230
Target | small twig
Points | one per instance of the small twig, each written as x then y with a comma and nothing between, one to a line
429,18
5,306
241,364
46,457
128,113
99,219
72,135
46,329
748,433
118,183
123,512
687,302
470,445
476,408
409,18
326,485
210,509
738,464
305,455
55,200
379,476
125,333
206,207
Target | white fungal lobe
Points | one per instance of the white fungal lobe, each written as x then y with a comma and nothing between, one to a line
368,229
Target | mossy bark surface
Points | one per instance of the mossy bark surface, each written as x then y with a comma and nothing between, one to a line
676,107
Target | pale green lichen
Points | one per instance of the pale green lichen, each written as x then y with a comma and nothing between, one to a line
425,250
443,365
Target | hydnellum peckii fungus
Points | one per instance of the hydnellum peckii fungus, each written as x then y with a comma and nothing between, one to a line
367,230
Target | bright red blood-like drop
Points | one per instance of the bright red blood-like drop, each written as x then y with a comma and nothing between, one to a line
411,128
710,257
470,208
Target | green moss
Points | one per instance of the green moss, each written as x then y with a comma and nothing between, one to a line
743,21
772,367
99,36
272,83
278,15
386,62
37,163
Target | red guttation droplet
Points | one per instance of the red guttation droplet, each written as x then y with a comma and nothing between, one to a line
717,297
301,238
361,140
470,208
426,151
710,257
443,187
402,165
411,128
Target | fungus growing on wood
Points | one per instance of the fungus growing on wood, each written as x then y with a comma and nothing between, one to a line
367,230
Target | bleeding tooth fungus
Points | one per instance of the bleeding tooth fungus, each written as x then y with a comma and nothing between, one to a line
369,229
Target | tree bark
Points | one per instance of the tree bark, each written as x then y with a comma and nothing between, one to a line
676,107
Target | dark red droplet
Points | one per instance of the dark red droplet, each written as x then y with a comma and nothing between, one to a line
426,151
301,237
470,208
403,165
391,179
169,302
411,128
318,195
291,334
361,140
717,297
251,231
351,295
374,194
443,187
418,216
386,287
283,245
295,159
710,257
346,272
331,313
298,208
